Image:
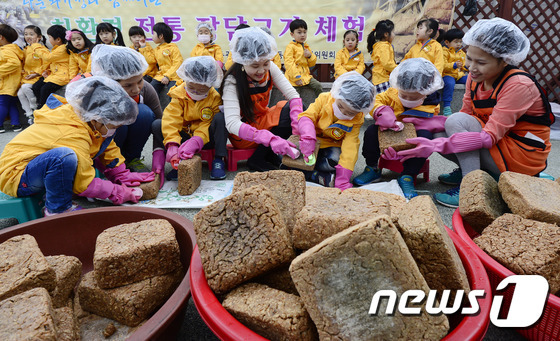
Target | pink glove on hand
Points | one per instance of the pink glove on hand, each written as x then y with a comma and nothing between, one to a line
308,137
268,139
385,118
342,179
158,165
121,175
190,147
391,154
172,155
296,108
118,194
434,124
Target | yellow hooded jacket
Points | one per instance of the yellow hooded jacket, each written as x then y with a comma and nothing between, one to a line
213,50
169,59
297,66
383,57
451,56
431,50
344,62
56,125
391,98
34,62
276,60
192,117
11,57
58,65
149,54
332,132
79,63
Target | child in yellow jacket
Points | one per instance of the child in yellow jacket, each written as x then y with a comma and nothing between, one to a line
427,46
349,58
56,154
168,58
11,57
206,46
35,53
298,58
380,47
79,47
454,71
138,38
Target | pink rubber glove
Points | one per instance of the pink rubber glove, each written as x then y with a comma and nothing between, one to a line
457,143
220,64
385,118
308,137
158,165
123,176
105,189
296,108
190,147
172,155
342,179
434,124
390,154
268,139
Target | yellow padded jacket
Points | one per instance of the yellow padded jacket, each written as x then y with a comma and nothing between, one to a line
451,56
58,66
212,50
346,62
383,57
11,57
34,62
430,50
169,59
297,66
79,63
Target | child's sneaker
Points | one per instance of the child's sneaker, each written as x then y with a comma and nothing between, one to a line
447,111
218,170
453,179
449,198
2,130
369,175
16,128
407,185
74,207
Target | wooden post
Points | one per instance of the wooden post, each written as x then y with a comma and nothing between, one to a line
506,9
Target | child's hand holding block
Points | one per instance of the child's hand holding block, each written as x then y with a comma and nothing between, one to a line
150,189
299,163
397,139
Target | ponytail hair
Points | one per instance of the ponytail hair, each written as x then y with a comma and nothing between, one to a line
108,27
378,33
88,43
37,31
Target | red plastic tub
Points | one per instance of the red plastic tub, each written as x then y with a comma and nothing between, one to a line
75,233
227,328
548,326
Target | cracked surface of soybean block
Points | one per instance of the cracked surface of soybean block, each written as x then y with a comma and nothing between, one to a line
396,139
129,253
531,197
318,196
150,190
23,266
66,329
271,313
326,216
189,175
241,237
286,186
480,201
396,203
299,163
68,270
424,233
129,304
279,278
524,246
27,316
337,279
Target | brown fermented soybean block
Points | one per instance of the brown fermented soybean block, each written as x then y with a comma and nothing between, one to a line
319,196
271,313
337,279
241,237
27,316
480,201
286,186
299,163
68,270
279,278
189,175
129,304
397,139
531,197
526,247
131,252
424,233
150,190
314,222
23,266
66,329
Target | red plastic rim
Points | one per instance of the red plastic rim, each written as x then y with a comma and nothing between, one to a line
226,327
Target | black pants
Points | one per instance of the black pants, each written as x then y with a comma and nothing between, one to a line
43,90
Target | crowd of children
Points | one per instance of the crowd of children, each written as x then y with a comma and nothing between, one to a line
112,106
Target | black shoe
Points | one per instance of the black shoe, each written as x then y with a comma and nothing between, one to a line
261,166
16,128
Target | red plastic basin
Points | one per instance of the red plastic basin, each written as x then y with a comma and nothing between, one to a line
227,328
75,233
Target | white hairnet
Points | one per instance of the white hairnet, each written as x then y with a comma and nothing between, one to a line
355,90
252,44
208,26
416,75
201,70
117,62
500,38
101,99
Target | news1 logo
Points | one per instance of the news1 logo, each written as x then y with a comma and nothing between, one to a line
527,302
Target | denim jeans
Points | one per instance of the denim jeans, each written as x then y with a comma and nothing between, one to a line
159,86
8,106
54,172
132,138
448,87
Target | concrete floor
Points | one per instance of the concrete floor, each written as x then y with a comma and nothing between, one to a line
193,327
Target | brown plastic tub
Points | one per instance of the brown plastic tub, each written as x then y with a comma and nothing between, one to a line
75,233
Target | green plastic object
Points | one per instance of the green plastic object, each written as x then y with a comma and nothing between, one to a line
311,160
23,209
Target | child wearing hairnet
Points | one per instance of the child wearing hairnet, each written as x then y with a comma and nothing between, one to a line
187,124
56,154
246,94
335,119
127,67
504,124
408,97
206,46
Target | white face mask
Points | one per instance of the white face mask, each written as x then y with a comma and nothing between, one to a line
196,97
204,38
339,114
411,104
110,132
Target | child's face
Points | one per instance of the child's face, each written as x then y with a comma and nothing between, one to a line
197,89
132,85
30,36
257,70
206,31
136,39
299,35
411,96
55,42
456,44
423,33
390,36
482,66
107,37
350,41
157,38
78,41
344,108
